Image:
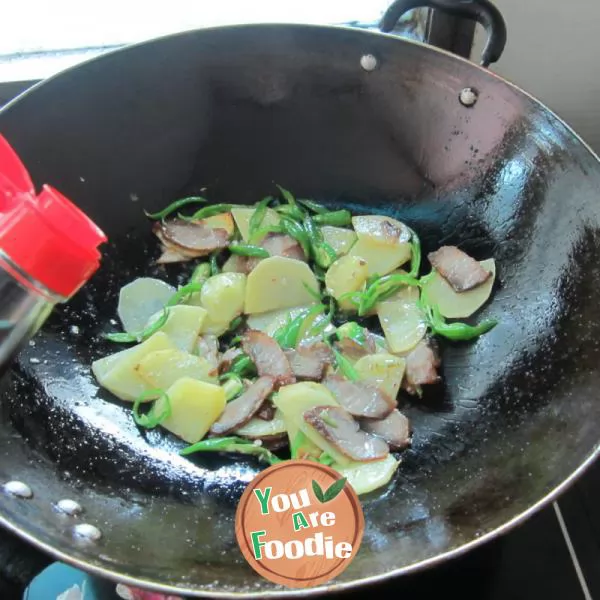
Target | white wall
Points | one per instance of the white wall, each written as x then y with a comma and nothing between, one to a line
553,52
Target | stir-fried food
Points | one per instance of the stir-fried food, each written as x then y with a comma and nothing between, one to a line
299,331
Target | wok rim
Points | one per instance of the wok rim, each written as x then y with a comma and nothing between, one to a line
417,567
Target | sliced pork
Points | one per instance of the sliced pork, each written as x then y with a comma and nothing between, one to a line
460,270
421,367
360,398
309,362
394,429
268,356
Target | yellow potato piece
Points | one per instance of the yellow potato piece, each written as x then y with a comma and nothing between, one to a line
366,477
294,400
258,428
195,406
223,296
117,372
381,229
340,239
278,282
454,305
386,370
223,221
381,258
402,321
346,274
243,214
161,369
183,325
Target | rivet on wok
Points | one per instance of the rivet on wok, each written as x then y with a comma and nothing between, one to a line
368,62
87,532
69,507
468,97
18,489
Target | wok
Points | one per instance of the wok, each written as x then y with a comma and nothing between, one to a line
234,109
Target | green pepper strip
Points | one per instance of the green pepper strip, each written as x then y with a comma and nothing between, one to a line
415,254
258,216
345,366
231,444
287,335
456,331
233,387
140,336
234,324
214,265
352,297
385,286
297,442
259,234
150,420
242,365
200,274
315,207
323,253
296,231
297,212
314,293
209,211
165,212
339,218
249,250
183,292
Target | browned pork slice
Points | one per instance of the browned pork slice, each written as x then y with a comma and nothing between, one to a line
460,270
394,429
342,431
421,367
309,362
190,239
268,356
360,398
278,244
239,411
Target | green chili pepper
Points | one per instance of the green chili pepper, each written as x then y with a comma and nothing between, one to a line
242,366
415,254
124,338
339,218
235,323
232,444
287,335
384,287
313,206
456,331
352,297
321,326
233,387
258,216
352,331
323,253
151,420
345,366
326,459
165,212
214,265
296,231
248,250
260,233
183,292
200,274
209,211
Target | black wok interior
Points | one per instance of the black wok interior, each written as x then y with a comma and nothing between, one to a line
234,110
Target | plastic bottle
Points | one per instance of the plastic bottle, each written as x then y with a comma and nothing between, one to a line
48,250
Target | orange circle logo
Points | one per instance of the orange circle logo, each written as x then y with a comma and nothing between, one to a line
299,523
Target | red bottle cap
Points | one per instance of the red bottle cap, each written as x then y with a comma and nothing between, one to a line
51,240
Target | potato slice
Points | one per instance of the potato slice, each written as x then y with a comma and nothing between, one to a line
278,282
223,296
340,239
243,214
120,377
294,400
381,229
183,325
454,305
161,369
141,299
223,221
270,321
346,274
195,406
381,258
402,321
366,477
258,428
386,370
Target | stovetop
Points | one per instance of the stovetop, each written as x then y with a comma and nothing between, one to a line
554,555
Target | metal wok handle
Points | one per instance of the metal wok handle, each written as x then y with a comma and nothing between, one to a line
482,11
